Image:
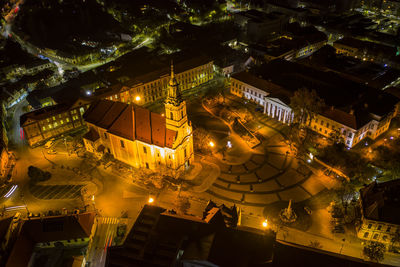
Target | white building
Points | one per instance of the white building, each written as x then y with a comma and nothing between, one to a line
273,99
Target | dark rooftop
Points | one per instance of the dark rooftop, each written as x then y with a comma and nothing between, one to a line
381,201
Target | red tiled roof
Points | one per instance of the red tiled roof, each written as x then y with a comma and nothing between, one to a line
97,111
341,117
124,125
158,129
133,123
143,124
115,110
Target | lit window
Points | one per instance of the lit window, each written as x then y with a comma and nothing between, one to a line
50,126
44,128
55,124
62,122
67,119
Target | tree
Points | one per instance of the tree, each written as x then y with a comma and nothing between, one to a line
305,104
375,251
183,204
346,193
201,140
396,238
37,175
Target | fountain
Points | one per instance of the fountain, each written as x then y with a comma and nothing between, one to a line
287,215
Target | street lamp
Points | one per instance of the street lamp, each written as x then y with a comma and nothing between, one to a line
265,223
137,98
211,144
150,200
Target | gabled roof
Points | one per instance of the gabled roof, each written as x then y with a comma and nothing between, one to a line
50,229
342,117
130,122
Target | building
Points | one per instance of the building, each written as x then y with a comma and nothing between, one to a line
260,25
53,121
152,86
350,128
353,110
367,51
274,99
164,238
380,207
43,241
140,138
161,238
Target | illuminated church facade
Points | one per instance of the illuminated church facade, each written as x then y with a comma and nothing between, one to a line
141,138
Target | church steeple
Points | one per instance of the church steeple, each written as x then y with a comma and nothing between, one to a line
174,95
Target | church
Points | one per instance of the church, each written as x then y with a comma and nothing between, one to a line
141,138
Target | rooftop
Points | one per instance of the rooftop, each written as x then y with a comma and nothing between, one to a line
131,122
381,201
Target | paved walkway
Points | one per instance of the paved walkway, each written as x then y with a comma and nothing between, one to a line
269,174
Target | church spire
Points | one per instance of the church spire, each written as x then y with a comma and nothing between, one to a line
174,93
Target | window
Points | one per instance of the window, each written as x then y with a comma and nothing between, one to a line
184,152
145,150
327,125
105,136
55,124
375,236
384,238
366,234
147,165
350,135
67,119
322,123
388,229
62,122
379,227
44,128
122,144
370,226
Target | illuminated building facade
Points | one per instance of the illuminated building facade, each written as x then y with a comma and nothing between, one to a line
52,121
153,86
140,138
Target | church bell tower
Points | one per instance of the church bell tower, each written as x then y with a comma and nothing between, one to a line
177,120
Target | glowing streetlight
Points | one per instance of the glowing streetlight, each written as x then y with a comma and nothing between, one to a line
211,144
265,224
137,98
151,200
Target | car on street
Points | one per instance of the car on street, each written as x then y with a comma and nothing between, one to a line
49,143
51,151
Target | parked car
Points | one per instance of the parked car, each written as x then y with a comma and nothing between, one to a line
51,151
50,143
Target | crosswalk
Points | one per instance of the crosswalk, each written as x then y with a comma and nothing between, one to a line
108,220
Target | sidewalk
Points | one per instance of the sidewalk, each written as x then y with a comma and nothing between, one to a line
209,173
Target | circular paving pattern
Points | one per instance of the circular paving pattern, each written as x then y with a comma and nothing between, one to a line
265,178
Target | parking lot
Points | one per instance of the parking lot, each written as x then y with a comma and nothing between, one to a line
56,191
